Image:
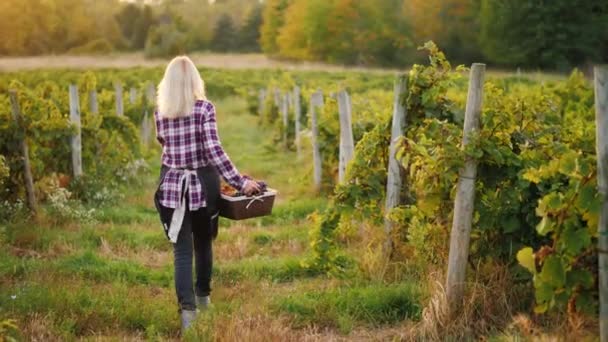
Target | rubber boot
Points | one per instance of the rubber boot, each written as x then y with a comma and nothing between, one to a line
188,316
202,303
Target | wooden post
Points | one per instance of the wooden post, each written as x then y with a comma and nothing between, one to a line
297,113
93,106
132,95
394,178
601,140
284,112
146,128
465,194
277,98
27,171
76,138
347,145
316,101
261,101
151,93
119,104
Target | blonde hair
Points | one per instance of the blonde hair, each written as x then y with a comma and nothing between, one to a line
179,89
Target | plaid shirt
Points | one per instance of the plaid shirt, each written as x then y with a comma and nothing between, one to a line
192,142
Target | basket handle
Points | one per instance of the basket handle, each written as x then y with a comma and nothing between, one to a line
255,198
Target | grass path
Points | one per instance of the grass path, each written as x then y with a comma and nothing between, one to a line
112,279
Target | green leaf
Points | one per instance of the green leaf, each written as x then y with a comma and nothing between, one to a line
585,303
510,225
567,163
579,276
575,240
545,226
525,256
553,272
587,199
544,292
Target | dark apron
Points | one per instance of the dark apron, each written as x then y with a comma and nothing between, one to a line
210,183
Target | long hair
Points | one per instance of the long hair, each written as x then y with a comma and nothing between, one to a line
179,89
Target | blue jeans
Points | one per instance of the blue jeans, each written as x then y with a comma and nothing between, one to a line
196,234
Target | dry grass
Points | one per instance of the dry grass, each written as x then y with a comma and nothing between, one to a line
491,308
148,257
131,60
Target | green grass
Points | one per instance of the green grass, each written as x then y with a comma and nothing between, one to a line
275,269
343,308
92,267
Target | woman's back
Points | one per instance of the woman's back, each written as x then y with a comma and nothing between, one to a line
182,138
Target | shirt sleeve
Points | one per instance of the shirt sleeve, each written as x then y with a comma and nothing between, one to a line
215,152
157,125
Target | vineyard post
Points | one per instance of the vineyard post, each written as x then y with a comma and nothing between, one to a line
119,105
27,171
277,98
297,113
145,123
261,100
601,132
93,106
465,194
132,95
151,92
284,112
76,138
394,178
316,101
347,146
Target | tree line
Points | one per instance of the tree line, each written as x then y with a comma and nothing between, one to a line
557,34
161,28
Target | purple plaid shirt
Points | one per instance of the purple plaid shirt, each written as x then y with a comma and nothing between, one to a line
192,142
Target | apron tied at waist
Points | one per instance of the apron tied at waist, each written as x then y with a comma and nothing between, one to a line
180,211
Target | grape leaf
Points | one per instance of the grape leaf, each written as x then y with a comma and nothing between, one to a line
574,240
545,226
553,272
580,276
525,256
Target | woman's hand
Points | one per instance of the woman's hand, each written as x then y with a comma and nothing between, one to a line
251,188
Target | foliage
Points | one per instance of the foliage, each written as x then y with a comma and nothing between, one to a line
166,40
224,35
548,206
271,23
530,32
368,32
249,33
110,144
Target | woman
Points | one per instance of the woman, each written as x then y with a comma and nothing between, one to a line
188,190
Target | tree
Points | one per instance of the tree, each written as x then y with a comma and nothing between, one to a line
272,21
249,34
559,34
141,26
224,35
127,18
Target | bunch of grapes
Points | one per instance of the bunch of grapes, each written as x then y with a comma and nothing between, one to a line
228,190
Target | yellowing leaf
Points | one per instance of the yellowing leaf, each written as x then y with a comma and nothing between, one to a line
525,256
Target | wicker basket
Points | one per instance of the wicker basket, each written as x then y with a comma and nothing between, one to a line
243,207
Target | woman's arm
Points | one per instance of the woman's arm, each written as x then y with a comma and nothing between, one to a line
157,125
215,153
